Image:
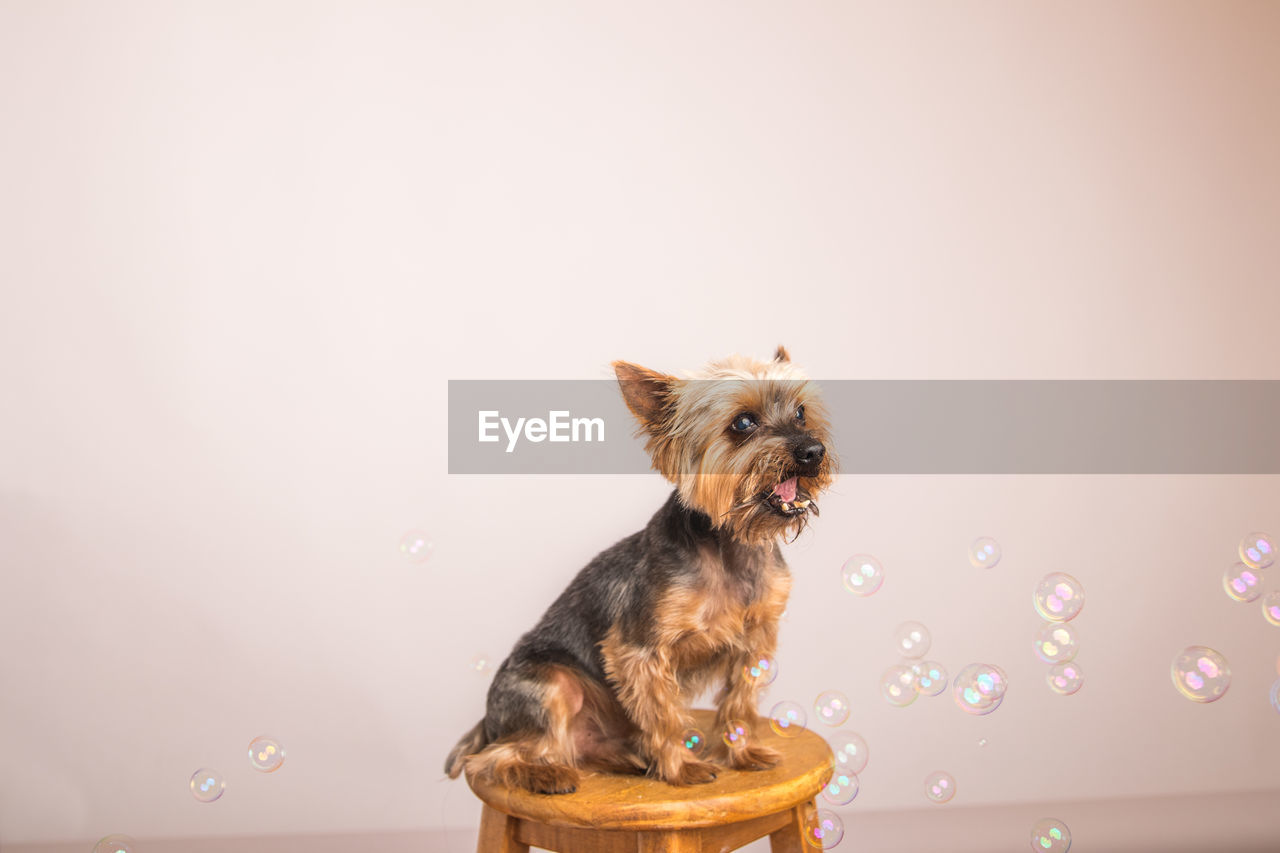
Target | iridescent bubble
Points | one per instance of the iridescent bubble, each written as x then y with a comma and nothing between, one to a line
842,789
912,640
823,829
982,741
1056,642
1059,597
735,734
788,718
1271,608
863,574
266,754
985,552
1201,674
416,546
115,844
939,787
898,686
832,707
763,671
1258,550
1065,678
850,751
1275,695
1242,583
1049,835
481,664
694,741
931,677
207,785
979,688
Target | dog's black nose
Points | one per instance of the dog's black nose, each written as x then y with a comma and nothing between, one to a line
809,453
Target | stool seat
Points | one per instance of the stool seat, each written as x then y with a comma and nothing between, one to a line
612,812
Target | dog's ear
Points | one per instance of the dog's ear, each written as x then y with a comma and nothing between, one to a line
646,392
782,355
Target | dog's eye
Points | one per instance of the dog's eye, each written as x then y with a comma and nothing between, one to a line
800,414
743,423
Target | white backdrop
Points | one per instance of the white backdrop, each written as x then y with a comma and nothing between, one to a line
244,246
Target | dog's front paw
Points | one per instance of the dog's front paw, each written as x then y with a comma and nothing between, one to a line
694,773
543,778
752,757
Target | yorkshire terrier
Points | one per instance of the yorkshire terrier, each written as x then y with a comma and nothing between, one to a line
603,681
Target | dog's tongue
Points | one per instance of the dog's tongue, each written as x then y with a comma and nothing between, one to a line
786,490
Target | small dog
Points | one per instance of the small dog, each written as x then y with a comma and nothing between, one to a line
604,680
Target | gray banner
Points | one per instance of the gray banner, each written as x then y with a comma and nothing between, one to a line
904,427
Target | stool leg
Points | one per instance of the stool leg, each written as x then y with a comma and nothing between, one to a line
790,839
498,833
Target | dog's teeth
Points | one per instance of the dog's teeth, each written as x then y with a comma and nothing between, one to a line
786,507
802,504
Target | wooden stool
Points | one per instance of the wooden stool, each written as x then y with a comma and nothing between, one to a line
633,814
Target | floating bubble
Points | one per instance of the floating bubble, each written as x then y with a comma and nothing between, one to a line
1271,608
481,664
939,787
1201,674
1275,695
985,552
1065,678
912,640
266,754
850,751
979,688
1049,835
863,574
982,741
832,707
1059,597
416,547
694,741
1242,583
898,686
931,677
1056,642
207,785
763,671
788,718
735,734
115,844
1258,550
842,789
823,829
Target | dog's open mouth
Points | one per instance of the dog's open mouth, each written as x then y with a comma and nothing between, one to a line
787,498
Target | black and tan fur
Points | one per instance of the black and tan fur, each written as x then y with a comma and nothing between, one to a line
604,679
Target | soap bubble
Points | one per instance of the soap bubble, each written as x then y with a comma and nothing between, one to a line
912,640
832,707
1049,835
1275,694
1056,642
1258,550
823,829
266,754
850,751
931,677
979,688
735,734
939,787
842,789
788,718
762,671
1271,608
416,547
207,785
985,552
1065,678
694,741
863,574
1242,583
898,686
115,844
1059,597
1201,674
